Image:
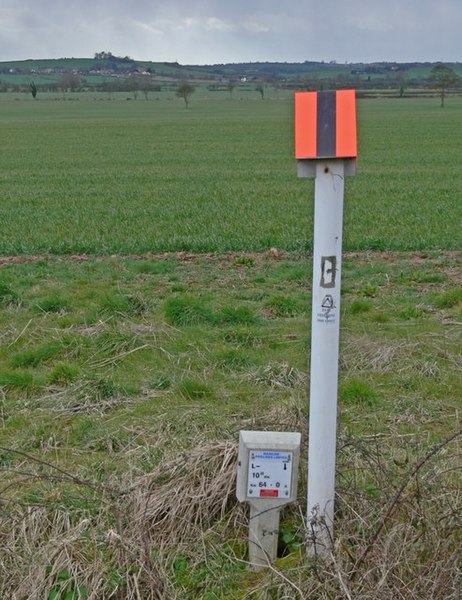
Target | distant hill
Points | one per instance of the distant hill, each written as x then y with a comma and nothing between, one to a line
109,71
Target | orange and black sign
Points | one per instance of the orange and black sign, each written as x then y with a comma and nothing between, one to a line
325,124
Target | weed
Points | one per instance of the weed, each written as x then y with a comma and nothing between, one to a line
298,272
290,539
66,321
63,373
123,304
244,260
53,304
187,310
359,306
232,360
411,312
237,315
245,337
192,389
429,277
7,294
357,392
448,299
154,267
102,388
284,306
63,587
380,317
368,290
35,357
161,382
17,379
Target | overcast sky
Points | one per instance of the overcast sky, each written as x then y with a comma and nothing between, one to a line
218,31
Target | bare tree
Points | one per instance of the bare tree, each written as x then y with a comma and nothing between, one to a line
442,76
184,90
70,82
231,85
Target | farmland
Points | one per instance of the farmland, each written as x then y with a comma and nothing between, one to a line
99,176
154,294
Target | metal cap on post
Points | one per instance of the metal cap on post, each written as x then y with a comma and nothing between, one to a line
325,148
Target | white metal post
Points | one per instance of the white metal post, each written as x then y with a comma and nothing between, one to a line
327,257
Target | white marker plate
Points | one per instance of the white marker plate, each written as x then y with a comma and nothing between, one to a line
270,474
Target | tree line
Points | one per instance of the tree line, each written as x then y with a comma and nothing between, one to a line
71,82
441,78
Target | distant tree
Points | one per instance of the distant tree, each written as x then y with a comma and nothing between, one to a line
109,86
402,85
184,90
132,85
145,85
33,89
260,88
442,76
70,82
103,55
139,83
231,85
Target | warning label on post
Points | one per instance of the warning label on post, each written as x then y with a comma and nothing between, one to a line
327,312
328,302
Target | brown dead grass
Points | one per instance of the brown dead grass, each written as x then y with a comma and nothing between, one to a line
360,258
397,533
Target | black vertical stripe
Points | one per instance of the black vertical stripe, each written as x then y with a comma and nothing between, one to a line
325,130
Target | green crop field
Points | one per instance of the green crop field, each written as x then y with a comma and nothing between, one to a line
154,300
89,175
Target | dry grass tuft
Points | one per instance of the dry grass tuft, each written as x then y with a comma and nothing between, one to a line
374,356
279,375
46,555
180,499
397,534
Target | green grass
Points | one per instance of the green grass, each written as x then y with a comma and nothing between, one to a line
16,379
449,299
7,294
118,370
99,176
36,356
118,398
357,391
125,331
237,315
192,389
187,310
284,306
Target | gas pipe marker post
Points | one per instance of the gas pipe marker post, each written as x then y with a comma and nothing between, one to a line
267,478
326,149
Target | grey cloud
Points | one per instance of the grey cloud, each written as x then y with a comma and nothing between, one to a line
198,31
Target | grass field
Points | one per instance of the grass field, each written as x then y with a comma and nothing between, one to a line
97,176
128,364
